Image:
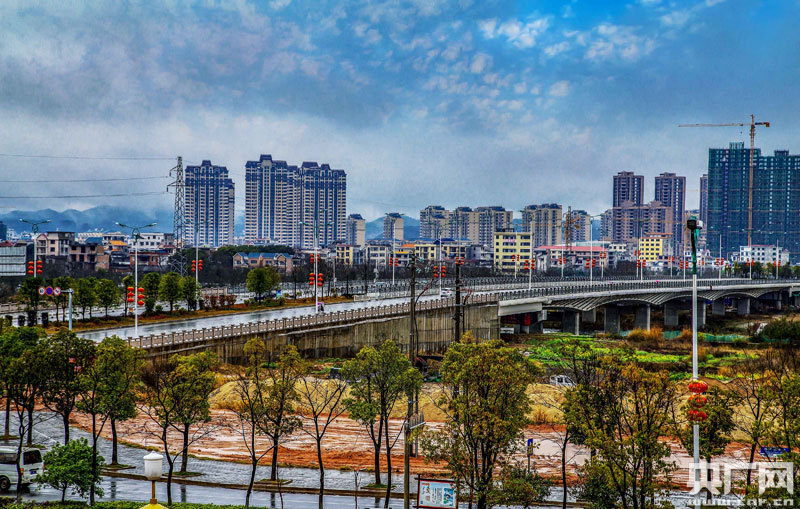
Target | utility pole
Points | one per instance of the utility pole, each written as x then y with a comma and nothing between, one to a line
412,353
34,232
457,316
136,234
179,218
694,225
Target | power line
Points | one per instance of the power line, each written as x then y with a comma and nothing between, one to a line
45,181
99,158
81,196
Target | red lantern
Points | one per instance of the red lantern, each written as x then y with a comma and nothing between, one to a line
697,415
311,279
698,386
697,401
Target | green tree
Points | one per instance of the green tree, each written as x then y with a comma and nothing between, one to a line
107,293
120,366
520,486
62,300
262,280
189,291
169,289
486,405
85,296
127,282
193,382
379,378
29,293
150,282
66,356
94,382
70,466
629,456
13,343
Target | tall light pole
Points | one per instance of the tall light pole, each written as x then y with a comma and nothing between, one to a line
136,234
316,259
695,225
393,258
34,230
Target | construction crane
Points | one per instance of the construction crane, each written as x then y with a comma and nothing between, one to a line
569,223
752,125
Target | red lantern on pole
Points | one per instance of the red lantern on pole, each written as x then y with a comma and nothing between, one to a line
312,277
319,279
698,386
140,297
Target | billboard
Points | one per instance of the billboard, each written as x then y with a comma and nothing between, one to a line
436,494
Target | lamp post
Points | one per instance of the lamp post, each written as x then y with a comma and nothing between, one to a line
153,471
695,225
34,231
316,259
136,234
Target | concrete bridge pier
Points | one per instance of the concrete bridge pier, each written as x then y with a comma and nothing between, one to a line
589,316
671,314
718,307
701,314
571,321
642,319
611,319
743,306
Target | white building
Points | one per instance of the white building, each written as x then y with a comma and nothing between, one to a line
763,254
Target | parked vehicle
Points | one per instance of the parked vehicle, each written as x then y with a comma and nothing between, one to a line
31,465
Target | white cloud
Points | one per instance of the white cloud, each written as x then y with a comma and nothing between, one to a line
555,49
523,35
609,42
488,27
279,4
480,62
559,88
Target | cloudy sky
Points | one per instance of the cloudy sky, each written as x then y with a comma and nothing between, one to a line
452,102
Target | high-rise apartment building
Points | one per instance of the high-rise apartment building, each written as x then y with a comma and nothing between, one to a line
356,230
670,191
630,222
704,198
545,222
628,187
580,229
465,224
776,199
287,204
434,221
393,224
490,220
209,204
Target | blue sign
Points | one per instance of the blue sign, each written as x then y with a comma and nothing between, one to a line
772,452
530,447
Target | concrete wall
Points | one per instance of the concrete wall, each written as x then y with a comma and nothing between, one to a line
435,328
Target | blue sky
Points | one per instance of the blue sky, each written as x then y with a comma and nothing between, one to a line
452,102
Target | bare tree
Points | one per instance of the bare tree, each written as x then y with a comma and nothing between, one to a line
321,401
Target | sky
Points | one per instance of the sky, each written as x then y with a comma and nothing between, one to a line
448,102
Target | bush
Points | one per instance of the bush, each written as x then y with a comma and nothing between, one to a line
70,466
782,328
654,334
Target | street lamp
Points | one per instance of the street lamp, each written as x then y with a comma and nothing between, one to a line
136,234
34,230
316,258
695,225
153,471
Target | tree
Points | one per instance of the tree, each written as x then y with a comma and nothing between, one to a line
189,291
486,409
520,486
715,430
193,382
150,283
127,282
66,356
70,466
120,366
168,384
262,281
250,408
321,402
95,381
12,344
107,293
281,398
756,404
29,292
85,295
62,300
625,432
24,384
378,378
169,289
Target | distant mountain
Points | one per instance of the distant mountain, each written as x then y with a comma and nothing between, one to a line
102,218
374,229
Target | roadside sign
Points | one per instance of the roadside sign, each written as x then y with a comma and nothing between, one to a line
436,494
48,290
773,452
41,290
530,447
506,330
56,291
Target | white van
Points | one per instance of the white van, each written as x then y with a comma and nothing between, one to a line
31,466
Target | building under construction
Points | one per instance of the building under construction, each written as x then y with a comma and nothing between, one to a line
776,199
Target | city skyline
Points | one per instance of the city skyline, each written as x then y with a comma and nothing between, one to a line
446,89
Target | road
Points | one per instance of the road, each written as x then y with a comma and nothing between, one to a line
233,319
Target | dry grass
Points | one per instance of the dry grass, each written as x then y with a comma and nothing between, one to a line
654,334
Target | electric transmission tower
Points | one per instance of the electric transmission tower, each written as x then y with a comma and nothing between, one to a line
178,261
